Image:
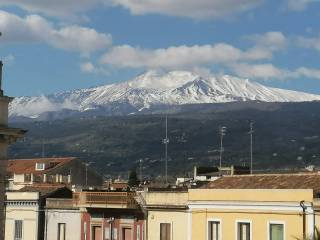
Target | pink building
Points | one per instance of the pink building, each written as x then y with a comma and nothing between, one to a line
110,216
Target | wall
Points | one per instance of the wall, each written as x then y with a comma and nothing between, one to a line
4,101
25,210
293,223
72,219
178,220
166,198
260,207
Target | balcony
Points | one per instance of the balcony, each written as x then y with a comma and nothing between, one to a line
59,203
123,200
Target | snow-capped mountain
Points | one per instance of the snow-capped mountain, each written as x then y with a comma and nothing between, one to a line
153,89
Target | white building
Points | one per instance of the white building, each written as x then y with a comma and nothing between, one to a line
63,220
24,210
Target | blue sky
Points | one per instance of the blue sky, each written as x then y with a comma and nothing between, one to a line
49,47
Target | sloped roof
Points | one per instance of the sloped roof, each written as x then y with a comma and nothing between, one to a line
268,181
20,166
44,189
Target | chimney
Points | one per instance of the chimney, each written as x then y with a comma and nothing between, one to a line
1,91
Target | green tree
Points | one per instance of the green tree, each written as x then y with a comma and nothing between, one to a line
133,179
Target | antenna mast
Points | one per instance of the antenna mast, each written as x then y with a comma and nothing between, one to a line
222,132
166,142
251,146
140,170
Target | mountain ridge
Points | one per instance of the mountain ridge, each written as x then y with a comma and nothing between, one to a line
153,89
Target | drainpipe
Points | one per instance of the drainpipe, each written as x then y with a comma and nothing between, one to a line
303,206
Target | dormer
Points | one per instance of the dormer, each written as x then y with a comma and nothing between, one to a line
40,166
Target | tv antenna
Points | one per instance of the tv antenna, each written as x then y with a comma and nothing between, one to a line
166,142
251,146
222,132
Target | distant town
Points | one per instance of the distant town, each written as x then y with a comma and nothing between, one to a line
65,198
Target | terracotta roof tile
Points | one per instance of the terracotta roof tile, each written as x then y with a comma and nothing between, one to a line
28,165
268,181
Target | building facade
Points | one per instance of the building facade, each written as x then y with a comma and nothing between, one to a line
110,216
63,219
271,207
67,170
8,135
25,211
167,213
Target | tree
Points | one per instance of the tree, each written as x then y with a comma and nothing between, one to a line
133,179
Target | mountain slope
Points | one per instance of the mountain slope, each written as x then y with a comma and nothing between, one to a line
149,90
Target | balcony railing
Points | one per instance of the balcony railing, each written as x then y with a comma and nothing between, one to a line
59,203
105,199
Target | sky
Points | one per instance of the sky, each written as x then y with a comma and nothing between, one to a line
56,45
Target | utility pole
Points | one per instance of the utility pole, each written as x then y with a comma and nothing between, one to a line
251,146
166,142
222,132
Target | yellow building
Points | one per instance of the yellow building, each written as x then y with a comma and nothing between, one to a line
167,214
270,207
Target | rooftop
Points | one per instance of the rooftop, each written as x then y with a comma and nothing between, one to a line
268,181
20,166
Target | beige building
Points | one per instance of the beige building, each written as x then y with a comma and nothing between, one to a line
63,220
25,211
7,136
167,214
270,207
63,170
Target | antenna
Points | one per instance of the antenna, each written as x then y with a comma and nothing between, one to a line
222,131
166,142
140,169
251,146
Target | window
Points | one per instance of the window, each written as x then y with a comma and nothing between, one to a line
276,231
18,227
61,231
85,230
165,231
244,231
213,230
40,166
138,232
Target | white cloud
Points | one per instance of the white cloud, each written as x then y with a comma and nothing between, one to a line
180,56
61,8
299,5
188,8
34,28
88,67
309,42
262,71
270,40
269,71
196,9
9,59
308,72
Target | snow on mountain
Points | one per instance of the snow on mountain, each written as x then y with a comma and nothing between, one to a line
155,89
